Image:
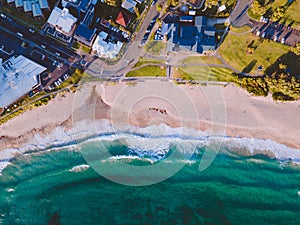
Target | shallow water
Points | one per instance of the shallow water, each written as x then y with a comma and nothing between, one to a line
57,187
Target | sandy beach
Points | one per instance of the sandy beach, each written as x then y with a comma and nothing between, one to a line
210,108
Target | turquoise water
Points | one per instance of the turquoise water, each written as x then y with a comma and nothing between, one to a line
39,188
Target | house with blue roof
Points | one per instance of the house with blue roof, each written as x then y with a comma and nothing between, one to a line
191,34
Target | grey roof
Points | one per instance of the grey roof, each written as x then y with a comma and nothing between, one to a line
36,10
18,3
18,76
200,21
43,4
129,5
27,6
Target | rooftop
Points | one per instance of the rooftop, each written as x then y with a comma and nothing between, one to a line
62,19
18,75
105,48
129,5
123,19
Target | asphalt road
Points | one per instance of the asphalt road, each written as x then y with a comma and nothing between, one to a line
99,68
239,16
36,40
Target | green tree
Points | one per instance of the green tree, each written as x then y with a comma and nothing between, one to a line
282,66
296,49
111,2
278,13
258,7
211,3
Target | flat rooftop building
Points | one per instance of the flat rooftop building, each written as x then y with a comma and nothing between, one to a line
18,76
62,20
105,48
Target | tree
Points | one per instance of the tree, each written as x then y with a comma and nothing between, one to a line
211,3
111,2
258,7
296,49
278,13
282,66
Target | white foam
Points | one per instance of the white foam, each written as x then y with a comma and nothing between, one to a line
152,141
79,168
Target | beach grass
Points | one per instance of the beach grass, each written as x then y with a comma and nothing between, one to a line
265,53
148,71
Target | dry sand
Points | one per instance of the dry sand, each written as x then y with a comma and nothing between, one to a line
210,108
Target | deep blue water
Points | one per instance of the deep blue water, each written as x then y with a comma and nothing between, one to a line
39,188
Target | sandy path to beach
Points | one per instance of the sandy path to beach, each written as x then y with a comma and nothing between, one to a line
212,108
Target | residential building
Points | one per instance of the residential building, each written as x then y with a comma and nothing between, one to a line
123,19
129,5
85,35
31,7
62,21
191,34
18,76
105,47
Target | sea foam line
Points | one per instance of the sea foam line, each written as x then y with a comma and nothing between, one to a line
146,141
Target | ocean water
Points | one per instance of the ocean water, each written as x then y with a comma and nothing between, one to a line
57,186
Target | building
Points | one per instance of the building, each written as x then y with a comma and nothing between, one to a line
62,21
129,5
84,35
191,34
31,7
18,76
105,47
123,19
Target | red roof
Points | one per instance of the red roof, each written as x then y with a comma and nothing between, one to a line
123,19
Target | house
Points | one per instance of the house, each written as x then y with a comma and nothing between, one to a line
18,76
31,7
62,21
85,35
191,34
129,5
105,47
123,19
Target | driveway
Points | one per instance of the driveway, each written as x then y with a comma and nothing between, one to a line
239,16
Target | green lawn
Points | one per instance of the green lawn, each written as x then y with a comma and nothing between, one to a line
193,60
240,30
266,53
156,47
291,15
148,71
205,73
143,61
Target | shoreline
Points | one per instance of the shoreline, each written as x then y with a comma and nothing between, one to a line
255,118
154,146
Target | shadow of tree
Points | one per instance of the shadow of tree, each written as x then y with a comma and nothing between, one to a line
249,67
289,59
